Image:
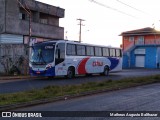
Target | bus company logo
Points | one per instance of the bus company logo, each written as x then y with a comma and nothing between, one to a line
97,63
6,114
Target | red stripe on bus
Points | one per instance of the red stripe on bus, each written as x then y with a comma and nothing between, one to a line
81,67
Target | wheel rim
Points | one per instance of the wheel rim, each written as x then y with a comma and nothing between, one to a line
106,72
70,74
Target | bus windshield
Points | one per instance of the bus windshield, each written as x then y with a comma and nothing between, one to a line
42,54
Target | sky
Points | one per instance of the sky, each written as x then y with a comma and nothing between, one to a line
105,20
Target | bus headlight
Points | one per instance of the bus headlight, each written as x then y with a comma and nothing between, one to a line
30,65
48,66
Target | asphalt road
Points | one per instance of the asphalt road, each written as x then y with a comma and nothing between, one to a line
142,98
18,86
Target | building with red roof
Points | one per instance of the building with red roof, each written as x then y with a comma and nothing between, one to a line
141,48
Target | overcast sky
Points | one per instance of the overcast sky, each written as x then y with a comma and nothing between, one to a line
106,19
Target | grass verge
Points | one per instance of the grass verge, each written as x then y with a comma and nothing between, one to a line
51,92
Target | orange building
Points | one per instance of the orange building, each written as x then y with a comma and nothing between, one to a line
141,48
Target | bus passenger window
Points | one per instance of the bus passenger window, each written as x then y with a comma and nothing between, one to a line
98,51
112,52
105,52
81,50
71,49
90,50
118,54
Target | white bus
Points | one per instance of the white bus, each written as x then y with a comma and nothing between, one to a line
68,58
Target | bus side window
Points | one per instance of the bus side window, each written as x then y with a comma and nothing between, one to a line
71,49
81,50
112,52
118,53
60,53
105,52
98,51
90,50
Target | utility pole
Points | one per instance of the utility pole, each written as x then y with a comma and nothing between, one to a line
26,8
80,28
29,14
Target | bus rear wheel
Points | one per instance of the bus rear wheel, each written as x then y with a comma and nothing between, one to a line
70,73
106,71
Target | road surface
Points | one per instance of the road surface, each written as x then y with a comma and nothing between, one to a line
18,86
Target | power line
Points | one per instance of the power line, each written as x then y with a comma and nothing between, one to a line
106,6
131,7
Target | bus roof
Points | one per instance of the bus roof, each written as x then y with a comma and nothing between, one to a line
75,42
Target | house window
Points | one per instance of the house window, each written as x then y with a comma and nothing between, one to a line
44,21
125,38
131,39
22,16
44,18
140,40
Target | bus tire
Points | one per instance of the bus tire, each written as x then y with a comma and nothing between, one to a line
88,74
106,71
50,77
70,72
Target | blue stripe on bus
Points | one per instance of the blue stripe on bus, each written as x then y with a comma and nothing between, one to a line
114,63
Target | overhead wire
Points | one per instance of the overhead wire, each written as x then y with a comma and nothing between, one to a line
141,11
117,10
106,6
133,7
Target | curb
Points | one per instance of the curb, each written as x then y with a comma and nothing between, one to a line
20,78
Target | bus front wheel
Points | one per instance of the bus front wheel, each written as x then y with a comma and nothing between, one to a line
70,73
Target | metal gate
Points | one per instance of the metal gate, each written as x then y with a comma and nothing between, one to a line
140,61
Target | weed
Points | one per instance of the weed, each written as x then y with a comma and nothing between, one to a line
55,91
